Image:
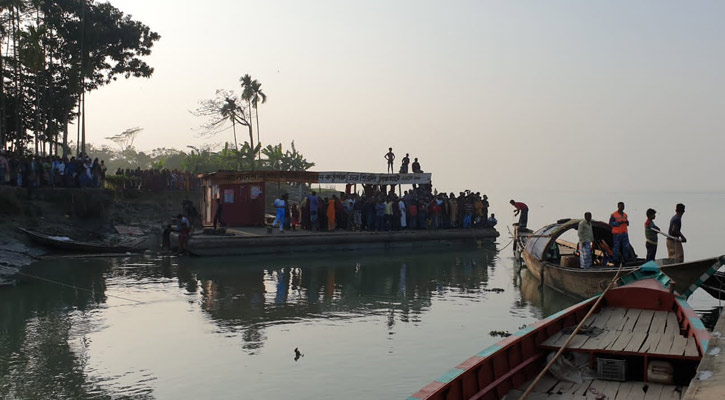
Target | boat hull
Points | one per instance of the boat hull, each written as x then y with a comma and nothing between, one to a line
507,367
584,283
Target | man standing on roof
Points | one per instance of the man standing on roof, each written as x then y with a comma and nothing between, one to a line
674,244
586,237
523,209
619,223
390,156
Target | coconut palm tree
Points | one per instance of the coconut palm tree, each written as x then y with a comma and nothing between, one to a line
253,94
258,96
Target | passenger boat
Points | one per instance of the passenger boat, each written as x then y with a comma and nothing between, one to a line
70,245
641,340
552,260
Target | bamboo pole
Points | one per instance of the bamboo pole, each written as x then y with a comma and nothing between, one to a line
571,337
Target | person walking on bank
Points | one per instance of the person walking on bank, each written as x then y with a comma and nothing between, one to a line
218,213
620,236
650,235
586,237
523,209
281,205
674,243
390,156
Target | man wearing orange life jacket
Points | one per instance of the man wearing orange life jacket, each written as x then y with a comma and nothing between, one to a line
619,223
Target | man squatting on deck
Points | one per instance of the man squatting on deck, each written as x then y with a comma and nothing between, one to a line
674,243
586,237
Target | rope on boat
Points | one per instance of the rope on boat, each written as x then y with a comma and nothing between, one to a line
76,287
571,337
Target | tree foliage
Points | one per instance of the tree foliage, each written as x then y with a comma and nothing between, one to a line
52,53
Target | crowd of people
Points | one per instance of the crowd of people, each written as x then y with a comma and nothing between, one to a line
622,250
380,209
33,171
157,180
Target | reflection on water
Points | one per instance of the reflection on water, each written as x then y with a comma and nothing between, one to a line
147,327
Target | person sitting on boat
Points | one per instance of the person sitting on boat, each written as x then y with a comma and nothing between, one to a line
619,223
674,244
523,209
586,237
491,222
650,235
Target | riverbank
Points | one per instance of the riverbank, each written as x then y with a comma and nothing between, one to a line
93,215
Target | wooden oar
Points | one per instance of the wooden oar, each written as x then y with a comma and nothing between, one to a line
668,236
571,337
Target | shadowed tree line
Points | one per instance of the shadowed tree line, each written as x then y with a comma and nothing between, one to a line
53,52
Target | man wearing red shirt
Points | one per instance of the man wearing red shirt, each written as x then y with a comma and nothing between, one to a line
523,209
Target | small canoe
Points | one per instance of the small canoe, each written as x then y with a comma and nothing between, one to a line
69,245
640,338
552,261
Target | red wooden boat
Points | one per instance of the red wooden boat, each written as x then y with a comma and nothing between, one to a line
642,340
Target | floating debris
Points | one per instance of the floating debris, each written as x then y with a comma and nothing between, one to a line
500,333
298,354
495,290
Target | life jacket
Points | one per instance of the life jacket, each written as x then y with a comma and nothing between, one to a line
621,218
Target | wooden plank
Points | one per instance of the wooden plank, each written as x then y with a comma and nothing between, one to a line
665,344
650,344
678,346
654,391
635,342
602,318
671,392
616,320
672,323
543,386
632,316
691,348
624,389
553,339
644,321
659,321
600,387
611,337
636,391
600,342
622,341
578,341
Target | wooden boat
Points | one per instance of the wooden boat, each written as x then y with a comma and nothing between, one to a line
553,261
69,245
715,285
642,341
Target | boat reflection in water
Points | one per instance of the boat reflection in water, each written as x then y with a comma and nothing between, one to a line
542,297
256,293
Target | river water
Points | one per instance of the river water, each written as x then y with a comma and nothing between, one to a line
369,325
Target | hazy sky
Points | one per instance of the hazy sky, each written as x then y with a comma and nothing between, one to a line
509,94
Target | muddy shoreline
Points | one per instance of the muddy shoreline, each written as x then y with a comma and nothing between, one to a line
92,215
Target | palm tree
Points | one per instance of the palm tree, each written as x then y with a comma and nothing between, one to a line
253,94
258,96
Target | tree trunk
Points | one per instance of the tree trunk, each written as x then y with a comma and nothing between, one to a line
256,116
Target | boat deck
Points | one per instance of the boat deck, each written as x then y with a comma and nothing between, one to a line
551,388
635,331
